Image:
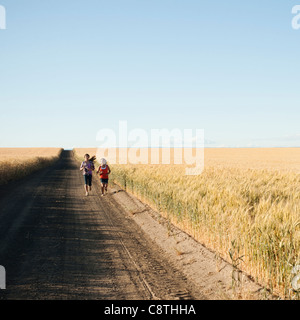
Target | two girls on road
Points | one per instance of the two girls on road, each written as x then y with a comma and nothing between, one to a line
87,166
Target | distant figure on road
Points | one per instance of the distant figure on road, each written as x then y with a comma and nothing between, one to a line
87,166
104,171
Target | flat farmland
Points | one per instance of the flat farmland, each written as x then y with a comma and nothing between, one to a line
245,206
271,159
16,163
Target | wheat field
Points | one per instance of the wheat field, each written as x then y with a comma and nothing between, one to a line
16,163
245,206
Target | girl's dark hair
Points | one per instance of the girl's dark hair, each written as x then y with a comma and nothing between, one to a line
92,159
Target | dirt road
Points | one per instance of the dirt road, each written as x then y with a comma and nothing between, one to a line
55,243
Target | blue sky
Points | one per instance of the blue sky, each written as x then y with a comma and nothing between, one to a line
70,68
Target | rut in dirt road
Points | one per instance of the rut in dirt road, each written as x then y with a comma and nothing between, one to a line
55,243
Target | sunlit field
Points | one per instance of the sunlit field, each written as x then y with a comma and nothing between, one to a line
16,163
245,205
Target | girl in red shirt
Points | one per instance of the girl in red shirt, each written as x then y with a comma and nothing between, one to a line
104,171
